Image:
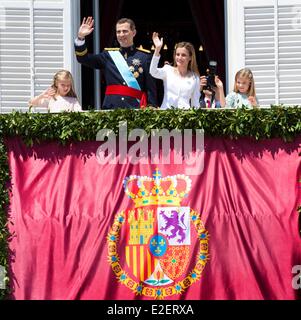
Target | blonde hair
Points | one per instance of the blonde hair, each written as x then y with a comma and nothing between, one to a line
192,65
61,76
246,73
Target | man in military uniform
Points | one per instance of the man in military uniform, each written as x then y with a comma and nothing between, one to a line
126,69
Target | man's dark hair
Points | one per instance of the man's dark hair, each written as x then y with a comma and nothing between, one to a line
129,21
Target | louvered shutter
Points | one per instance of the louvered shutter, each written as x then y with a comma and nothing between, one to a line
289,25
15,55
260,51
35,42
269,44
48,45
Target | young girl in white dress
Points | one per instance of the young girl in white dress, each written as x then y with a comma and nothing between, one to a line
182,81
60,96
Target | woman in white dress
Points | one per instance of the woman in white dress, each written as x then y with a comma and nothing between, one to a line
182,81
60,96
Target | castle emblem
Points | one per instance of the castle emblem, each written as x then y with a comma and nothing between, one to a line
152,246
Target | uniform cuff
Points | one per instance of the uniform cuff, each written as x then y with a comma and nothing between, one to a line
78,42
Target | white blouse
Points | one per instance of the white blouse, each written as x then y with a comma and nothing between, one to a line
179,92
60,104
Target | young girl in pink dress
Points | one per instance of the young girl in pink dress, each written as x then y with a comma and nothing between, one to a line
60,96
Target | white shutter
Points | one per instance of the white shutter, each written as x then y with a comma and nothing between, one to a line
35,42
48,46
15,87
260,51
289,25
270,45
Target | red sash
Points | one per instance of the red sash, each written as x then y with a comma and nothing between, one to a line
127,91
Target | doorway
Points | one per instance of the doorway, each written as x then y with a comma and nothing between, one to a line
197,21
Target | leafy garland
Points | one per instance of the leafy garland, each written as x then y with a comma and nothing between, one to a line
4,234
277,122
282,122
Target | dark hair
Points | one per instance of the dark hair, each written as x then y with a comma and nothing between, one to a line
129,21
202,98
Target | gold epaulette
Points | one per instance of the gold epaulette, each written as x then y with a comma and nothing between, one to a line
144,50
111,49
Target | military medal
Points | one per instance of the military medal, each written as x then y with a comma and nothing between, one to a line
136,62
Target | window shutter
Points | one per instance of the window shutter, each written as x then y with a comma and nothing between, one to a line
15,87
260,51
270,46
48,46
289,25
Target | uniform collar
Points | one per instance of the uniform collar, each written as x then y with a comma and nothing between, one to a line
127,50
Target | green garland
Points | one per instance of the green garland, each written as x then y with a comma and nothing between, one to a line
282,122
4,234
277,122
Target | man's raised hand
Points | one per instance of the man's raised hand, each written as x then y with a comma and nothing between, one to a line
86,28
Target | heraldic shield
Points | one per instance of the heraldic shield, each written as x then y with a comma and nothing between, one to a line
150,245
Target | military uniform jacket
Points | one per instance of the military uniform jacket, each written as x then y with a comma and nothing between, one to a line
138,62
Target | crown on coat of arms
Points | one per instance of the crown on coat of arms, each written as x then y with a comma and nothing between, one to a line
145,191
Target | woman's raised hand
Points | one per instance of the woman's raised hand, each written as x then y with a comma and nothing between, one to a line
157,41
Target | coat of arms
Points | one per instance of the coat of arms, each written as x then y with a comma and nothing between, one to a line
149,245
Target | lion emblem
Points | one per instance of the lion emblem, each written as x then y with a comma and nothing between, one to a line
174,224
